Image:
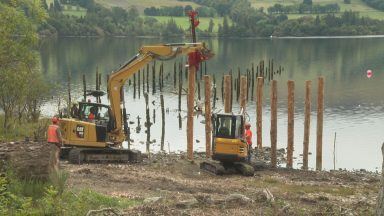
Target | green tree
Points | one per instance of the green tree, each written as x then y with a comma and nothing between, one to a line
44,4
57,6
18,58
133,13
225,29
211,25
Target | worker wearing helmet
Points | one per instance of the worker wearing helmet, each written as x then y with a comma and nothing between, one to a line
248,137
54,133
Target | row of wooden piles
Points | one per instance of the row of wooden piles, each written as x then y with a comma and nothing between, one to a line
259,116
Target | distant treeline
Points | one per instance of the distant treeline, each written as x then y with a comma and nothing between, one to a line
223,7
100,21
250,22
179,11
349,23
240,20
304,9
378,4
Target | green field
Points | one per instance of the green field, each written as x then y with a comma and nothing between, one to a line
184,21
356,5
71,10
142,4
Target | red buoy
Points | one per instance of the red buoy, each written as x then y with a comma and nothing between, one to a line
369,73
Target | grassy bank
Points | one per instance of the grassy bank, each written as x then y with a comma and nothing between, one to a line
18,131
22,197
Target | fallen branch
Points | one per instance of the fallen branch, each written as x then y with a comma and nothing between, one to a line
104,210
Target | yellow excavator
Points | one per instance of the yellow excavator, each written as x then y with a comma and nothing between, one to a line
100,138
230,153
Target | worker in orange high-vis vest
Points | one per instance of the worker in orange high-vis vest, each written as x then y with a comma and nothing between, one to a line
54,133
248,138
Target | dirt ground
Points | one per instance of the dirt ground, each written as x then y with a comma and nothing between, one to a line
171,185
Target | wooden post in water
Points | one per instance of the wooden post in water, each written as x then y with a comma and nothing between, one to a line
273,132
208,129
160,78
69,92
252,81
205,68
319,136
138,83
134,86
162,75
307,123
222,89
147,78
180,121
201,71
153,78
190,102
290,131
248,82
180,85
230,74
162,122
107,79
259,112
238,85
214,91
84,88
97,78
143,81
174,75
147,123
227,94
243,92
99,81
198,90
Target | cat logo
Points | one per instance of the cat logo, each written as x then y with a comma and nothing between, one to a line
80,131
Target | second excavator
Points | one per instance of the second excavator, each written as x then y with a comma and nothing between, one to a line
230,151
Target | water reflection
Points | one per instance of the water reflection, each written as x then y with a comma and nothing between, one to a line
354,104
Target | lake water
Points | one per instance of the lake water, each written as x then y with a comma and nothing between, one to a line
354,104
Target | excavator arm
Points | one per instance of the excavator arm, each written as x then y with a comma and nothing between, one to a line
197,52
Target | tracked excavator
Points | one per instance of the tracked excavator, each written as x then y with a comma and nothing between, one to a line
230,152
99,138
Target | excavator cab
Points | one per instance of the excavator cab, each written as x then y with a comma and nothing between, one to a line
228,143
98,113
229,148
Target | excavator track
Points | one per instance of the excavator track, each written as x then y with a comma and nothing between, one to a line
103,155
244,168
218,168
212,167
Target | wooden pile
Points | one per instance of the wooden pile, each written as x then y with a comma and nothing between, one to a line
29,160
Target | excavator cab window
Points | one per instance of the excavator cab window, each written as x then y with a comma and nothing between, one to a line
228,126
94,112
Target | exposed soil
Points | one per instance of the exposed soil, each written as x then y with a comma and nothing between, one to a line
176,186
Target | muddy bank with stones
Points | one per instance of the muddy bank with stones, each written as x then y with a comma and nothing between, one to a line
167,184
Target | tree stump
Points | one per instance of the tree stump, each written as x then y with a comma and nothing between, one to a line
380,198
30,160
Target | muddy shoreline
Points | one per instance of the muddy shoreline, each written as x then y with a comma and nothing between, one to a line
168,184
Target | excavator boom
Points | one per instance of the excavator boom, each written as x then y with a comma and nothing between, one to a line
146,54
99,139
